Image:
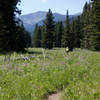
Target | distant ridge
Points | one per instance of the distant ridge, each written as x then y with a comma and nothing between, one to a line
31,19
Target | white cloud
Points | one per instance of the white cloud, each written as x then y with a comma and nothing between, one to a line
44,0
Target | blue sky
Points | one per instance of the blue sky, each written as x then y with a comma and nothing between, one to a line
60,6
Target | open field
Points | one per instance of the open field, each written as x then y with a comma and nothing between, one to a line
38,73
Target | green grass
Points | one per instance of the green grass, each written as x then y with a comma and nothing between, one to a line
76,75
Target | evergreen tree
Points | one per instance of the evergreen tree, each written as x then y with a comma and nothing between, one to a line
59,33
73,32
95,37
8,11
67,36
37,36
87,26
23,38
42,35
48,34
20,38
78,32
4,36
27,39
66,32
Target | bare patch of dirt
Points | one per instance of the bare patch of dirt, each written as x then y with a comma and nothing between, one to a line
54,96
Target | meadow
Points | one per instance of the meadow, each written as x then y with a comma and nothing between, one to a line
38,73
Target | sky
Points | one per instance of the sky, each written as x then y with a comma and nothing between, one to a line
59,6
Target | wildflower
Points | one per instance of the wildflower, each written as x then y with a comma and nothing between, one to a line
67,50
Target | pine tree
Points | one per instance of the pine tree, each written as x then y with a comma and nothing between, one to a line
73,32
37,36
4,36
23,38
20,38
42,35
67,36
66,32
78,32
95,37
27,39
48,34
59,33
87,26
8,11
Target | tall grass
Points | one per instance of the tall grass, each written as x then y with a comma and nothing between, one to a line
77,73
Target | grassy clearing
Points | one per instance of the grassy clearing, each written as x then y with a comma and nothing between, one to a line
77,73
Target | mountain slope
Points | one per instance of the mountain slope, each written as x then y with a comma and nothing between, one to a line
30,20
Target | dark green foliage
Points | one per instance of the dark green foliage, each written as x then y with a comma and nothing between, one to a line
95,36
37,36
8,11
23,38
20,42
48,34
91,25
87,26
4,36
67,38
59,33
73,32
13,36
27,39
66,32
78,32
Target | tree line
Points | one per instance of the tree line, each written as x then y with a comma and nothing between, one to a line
80,32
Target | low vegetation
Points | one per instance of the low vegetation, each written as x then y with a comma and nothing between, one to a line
76,75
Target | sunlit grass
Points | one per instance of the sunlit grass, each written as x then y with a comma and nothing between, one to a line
76,74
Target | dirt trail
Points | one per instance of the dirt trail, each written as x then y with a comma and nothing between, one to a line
54,96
